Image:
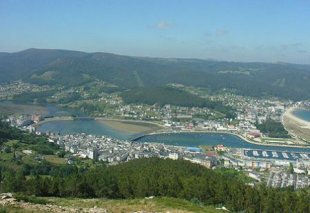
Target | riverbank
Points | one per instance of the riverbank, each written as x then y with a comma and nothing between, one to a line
61,118
242,137
297,127
133,127
130,126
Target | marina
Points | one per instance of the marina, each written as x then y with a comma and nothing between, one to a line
276,155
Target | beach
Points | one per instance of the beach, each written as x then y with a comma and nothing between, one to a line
130,126
297,127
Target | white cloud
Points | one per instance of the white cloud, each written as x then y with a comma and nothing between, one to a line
163,25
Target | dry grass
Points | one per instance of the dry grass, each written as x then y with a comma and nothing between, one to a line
53,159
134,205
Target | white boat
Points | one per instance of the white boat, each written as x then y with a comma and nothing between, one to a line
275,155
255,153
265,154
285,155
294,155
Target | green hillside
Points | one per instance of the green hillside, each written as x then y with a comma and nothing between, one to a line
173,96
74,68
140,178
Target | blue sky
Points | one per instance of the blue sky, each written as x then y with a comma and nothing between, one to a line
233,30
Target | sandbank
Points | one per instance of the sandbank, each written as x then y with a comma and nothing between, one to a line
130,126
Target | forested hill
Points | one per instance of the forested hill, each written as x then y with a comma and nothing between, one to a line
73,67
173,96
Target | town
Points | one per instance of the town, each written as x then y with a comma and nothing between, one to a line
270,167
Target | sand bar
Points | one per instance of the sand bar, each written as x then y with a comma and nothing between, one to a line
130,126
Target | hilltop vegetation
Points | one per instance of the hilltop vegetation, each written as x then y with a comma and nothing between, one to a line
40,156
273,129
71,68
80,205
173,96
138,179
158,177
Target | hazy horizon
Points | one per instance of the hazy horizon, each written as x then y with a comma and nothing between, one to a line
142,56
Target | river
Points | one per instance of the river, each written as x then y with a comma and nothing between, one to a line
180,139
91,127
211,139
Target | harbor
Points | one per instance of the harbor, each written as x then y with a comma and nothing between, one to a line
275,155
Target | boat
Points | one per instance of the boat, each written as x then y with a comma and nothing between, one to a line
265,154
255,153
284,154
275,155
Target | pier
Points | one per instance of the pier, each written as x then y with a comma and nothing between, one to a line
276,155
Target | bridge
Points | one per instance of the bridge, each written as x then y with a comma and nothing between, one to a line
136,137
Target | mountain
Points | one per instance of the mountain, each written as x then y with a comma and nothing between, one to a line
47,66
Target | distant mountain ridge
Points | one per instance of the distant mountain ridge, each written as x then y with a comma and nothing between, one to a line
65,67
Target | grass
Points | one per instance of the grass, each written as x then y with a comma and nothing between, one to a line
277,139
11,142
6,156
30,199
54,159
29,159
162,204
7,209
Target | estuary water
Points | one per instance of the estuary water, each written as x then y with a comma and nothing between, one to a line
211,139
90,127
93,127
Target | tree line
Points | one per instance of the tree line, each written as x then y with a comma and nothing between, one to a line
168,95
273,129
142,178
158,177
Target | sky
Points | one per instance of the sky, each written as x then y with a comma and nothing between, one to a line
231,30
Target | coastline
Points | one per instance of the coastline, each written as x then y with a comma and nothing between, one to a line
125,126
151,128
290,114
298,128
64,118
228,133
